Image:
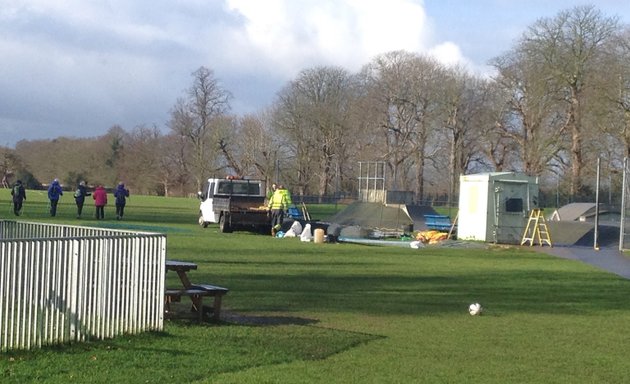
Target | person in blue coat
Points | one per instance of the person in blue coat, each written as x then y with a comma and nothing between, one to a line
54,193
121,194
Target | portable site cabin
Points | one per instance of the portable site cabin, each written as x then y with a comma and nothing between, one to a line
494,207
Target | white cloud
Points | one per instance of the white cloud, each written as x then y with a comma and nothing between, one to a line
447,53
291,36
88,64
450,54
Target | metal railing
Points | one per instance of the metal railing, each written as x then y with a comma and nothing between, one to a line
62,284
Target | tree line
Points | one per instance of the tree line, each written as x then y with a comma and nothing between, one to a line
559,99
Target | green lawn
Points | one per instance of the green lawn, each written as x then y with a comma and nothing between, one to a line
343,313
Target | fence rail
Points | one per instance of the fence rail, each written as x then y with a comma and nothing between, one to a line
62,284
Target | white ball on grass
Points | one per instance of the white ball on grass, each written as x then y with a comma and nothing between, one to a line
475,309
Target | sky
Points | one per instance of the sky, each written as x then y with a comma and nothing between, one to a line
75,68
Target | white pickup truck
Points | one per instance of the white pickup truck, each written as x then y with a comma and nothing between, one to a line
234,204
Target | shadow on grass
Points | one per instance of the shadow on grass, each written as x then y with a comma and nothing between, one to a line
182,353
500,292
261,320
181,313
138,227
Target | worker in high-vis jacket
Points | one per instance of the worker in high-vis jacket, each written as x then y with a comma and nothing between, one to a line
287,195
277,206
290,210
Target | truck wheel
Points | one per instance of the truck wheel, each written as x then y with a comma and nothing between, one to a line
204,224
224,226
264,229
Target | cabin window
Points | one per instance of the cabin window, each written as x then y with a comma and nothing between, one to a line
514,205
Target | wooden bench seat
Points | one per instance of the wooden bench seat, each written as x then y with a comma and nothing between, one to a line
196,293
211,288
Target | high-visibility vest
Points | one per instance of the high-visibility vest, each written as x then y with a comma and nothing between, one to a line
287,197
278,200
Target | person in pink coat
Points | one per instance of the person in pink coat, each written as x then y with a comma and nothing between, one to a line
100,201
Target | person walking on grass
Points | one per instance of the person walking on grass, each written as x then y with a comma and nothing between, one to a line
54,193
121,194
79,197
19,195
100,201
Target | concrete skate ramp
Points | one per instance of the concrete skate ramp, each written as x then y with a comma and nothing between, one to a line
416,213
574,211
569,230
569,233
372,215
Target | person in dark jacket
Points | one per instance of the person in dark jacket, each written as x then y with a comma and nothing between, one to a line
54,193
19,195
121,194
79,197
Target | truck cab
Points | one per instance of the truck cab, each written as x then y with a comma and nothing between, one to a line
233,203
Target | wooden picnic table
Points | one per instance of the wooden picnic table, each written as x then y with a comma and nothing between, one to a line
182,268
196,292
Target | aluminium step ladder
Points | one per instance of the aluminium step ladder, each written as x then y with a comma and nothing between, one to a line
536,229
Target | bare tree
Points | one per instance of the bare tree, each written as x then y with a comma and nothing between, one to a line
532,119
288,122
195,116
312,113
466,104
500,150
174,174
257,146
228,145
426,77
141,167
386,80
614,87
403,89
248,145
567,49
10,165
115,139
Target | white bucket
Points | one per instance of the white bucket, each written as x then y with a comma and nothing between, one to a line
319,236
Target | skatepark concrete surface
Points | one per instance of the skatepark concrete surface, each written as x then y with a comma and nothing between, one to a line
606,258
575,240
572,239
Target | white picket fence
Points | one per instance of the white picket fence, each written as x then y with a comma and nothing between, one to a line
62,284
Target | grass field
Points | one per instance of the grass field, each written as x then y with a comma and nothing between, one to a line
343,313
